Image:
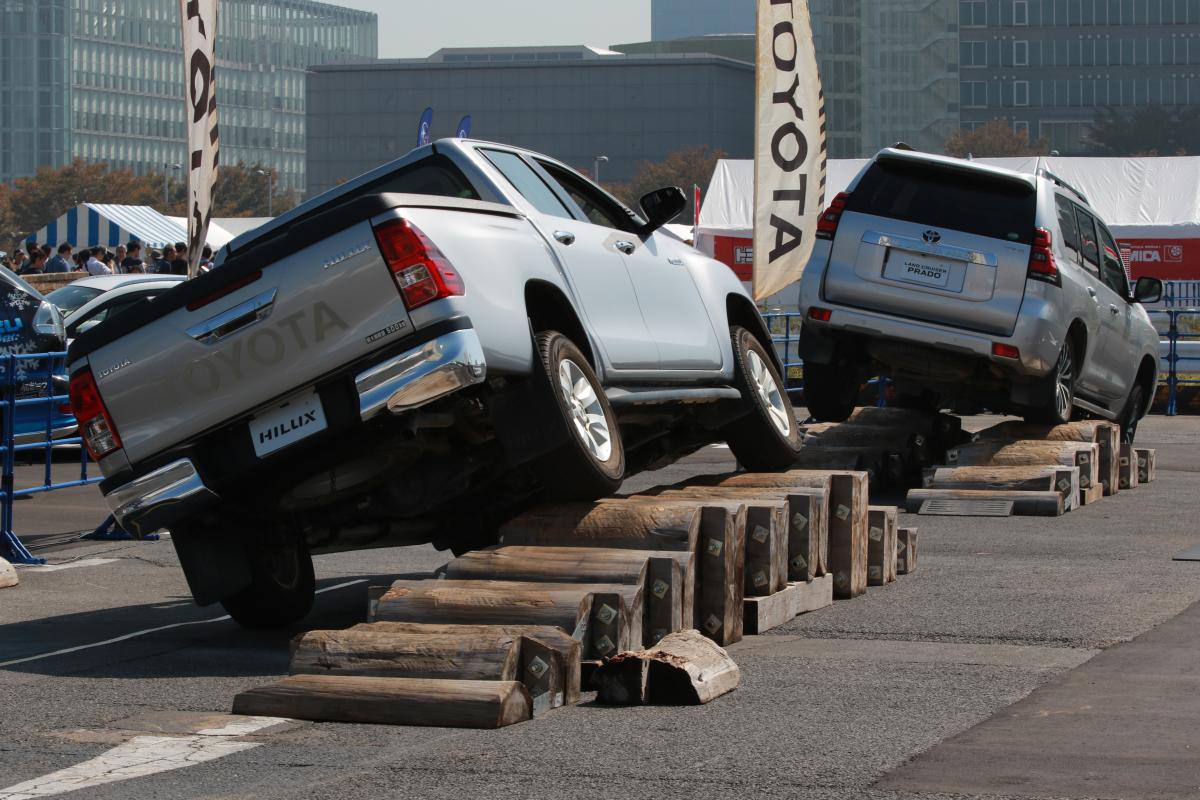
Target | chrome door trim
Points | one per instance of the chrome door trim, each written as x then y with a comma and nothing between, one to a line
940,250
254,310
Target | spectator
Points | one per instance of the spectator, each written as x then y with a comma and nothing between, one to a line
119,257
162,261
36,263
81,259
206,259
133,259
180,265
96,265
18,260
48,251
62,261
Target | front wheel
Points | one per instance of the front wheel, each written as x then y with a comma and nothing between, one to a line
766,438
282,585
1058,391
590,463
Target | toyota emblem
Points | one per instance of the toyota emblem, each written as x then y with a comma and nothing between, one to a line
932,237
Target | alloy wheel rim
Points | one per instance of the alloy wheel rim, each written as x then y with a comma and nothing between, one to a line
768,393
1062,384
585,411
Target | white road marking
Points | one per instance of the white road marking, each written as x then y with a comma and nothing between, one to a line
144,755
83,562
146,632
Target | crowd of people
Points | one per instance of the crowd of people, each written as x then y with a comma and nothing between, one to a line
126,259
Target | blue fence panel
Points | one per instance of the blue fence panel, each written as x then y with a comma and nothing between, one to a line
34,419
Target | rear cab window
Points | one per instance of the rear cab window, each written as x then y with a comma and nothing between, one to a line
436,175
928,194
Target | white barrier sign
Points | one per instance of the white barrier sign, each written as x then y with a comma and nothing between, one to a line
200,68
790,150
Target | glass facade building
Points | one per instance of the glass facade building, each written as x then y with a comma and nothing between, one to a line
678,19
102,80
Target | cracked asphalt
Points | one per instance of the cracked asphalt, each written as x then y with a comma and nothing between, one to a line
830,704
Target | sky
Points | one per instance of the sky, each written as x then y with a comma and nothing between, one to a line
416,28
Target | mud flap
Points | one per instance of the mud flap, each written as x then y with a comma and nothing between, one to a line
520,415
214,561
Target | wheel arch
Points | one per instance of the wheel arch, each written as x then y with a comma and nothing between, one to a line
1077,335
549,309
740,311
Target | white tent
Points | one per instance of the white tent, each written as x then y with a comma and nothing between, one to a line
105,225
223,230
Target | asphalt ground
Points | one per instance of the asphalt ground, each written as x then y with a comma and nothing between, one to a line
906,692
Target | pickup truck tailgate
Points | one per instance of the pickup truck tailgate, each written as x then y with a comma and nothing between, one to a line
202,365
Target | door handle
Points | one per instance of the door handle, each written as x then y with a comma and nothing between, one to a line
253,311
1092,292
565,237
628,248
1115,311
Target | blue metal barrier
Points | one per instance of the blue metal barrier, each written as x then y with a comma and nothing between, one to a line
33,420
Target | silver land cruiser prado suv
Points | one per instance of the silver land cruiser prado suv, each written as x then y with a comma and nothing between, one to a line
974,287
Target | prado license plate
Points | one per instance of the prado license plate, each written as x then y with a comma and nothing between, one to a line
287,423
918,268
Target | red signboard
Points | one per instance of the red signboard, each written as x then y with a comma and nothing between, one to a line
738,254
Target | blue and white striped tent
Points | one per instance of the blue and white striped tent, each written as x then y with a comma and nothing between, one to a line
103,225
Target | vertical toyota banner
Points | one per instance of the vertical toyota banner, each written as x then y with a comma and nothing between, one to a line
200,69
789,149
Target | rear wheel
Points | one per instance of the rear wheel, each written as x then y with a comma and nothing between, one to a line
1058,391
767,437
283,585
830,391
590,463
1132,414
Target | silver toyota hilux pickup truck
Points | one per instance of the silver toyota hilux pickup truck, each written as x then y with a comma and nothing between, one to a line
415,356
974,287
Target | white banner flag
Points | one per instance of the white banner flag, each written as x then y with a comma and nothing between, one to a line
789,150
200,70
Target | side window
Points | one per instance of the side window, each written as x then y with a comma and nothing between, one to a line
527,182
1089,241
596,206
1068,225
1112,271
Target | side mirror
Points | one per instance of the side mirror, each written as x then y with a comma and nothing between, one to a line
1148,290
662,206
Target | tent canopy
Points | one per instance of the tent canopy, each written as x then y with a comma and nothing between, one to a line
1137,197
104,225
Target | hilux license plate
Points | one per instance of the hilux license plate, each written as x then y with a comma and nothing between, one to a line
906,267
287,423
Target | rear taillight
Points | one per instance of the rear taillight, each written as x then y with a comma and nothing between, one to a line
827,225
99,433
820,314
421,272
1005,351
1042,266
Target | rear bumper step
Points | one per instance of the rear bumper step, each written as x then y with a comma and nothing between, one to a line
422,375
154,501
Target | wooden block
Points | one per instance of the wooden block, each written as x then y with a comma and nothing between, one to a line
665,612
1025,504
881,545
906,551
1090,495
1031,453
683,669
1105,434
609,627
390,701
478,657
764,613
1128,468
543,674
8,574
766,548
1064,480
1147,470
637,524
721,568
566,648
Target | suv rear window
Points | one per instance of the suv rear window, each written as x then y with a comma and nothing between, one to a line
939,198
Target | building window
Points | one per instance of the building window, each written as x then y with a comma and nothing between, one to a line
1020,93
973,54
973,94
1021,127
1020,54
1020,12
972,14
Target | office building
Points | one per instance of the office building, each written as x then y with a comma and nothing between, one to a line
102,80
573,103
1048,67
679,19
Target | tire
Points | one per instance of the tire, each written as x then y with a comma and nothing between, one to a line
283,586
830,391
1131,415
766,438
590,463
1058,391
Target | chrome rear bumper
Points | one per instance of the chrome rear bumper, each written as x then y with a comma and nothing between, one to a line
153,501
422,375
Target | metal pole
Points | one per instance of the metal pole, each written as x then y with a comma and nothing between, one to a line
270,194
166,189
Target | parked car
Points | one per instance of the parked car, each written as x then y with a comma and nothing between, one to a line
974,287
29,324
414,356
89,301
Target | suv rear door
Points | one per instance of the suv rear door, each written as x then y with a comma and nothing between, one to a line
935,242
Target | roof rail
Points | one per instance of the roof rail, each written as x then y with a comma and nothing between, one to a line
1045,173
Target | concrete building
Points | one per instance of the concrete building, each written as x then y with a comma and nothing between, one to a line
573,103
1047,67
103,81
678,19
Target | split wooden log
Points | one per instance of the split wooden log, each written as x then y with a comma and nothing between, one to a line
565,647
632,524
428,702
1064,480
1092,494
906,551
8,574
1147,469
807,513
765,613
881,545
1128,468
1084,455
683,669
1025,504
1105,434
566,605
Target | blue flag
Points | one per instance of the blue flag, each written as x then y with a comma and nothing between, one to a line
464,128
425,129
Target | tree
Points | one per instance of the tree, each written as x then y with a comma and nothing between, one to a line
996,139
692,166
1147,131
43,197
242,192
